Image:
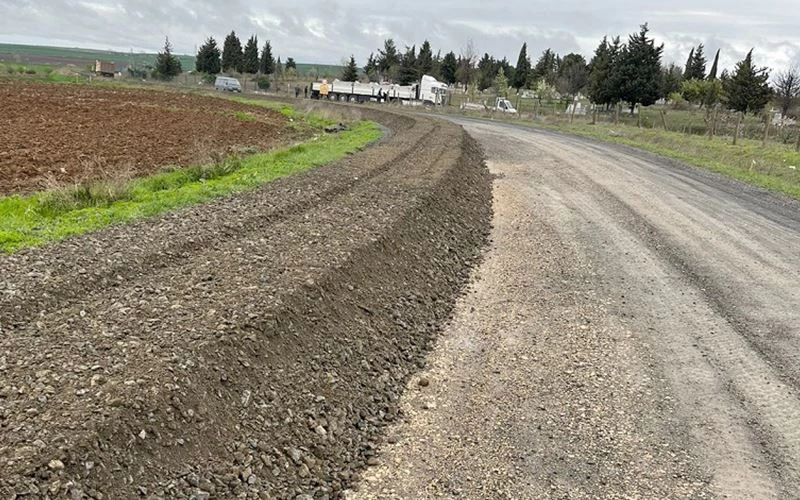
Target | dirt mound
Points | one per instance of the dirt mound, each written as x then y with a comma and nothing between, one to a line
56,134
253,346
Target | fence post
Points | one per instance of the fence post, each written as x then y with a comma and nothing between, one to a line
797,144
738,126
664,119
768,121
616,115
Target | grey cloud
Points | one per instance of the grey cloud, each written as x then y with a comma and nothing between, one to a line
326,32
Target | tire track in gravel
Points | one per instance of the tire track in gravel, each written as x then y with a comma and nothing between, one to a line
698,273
204,374
760,379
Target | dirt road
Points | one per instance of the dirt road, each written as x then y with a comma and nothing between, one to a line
634,332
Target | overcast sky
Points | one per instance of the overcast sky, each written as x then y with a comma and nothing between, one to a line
327,31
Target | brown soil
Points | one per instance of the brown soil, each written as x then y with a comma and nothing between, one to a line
254,346
55,134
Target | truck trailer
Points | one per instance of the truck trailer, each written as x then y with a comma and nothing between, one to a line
427,91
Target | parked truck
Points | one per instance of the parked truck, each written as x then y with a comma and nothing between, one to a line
427,91
105,68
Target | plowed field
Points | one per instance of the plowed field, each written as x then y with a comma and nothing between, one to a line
55,134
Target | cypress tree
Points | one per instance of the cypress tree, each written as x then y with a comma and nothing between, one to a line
712,74
250,62
267,64
688,67
523,68
232,53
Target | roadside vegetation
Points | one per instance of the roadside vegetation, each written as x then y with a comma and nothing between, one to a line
33,220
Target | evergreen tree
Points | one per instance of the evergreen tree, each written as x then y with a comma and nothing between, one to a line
408,73
546,68
425,59
350,71
371,68
232,53
523,68
278,67
267,63
697,65
167,65
207,60
712,74
436,69
747,88
687,73
573,75
449,68
290,64
508,70
501,83
487,70
250,62
388,59
640,70
601,65
671,79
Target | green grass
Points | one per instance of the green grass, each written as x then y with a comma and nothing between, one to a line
244,116
49,216
748,161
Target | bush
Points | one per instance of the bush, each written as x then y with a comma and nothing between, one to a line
263,83
30,71
208,78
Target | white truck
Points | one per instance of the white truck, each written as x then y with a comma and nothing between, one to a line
427,91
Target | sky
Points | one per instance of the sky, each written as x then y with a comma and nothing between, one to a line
326,32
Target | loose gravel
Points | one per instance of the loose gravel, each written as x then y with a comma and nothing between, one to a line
255,346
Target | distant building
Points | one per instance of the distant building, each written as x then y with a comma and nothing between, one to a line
105,68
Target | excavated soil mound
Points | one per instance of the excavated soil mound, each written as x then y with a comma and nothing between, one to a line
254,346
56,134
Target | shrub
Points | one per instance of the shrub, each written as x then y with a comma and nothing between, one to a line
263,83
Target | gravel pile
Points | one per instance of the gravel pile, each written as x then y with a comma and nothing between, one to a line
253,346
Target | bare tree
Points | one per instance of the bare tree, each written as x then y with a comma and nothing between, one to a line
466,64
787,89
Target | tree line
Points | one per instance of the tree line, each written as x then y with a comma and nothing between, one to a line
629,72
233,58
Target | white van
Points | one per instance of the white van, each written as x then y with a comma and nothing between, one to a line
227,83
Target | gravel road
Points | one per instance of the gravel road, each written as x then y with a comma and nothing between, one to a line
633,332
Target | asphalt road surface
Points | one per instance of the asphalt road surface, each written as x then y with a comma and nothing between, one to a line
633,332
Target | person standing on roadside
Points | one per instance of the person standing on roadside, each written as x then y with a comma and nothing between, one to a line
305,92
296,91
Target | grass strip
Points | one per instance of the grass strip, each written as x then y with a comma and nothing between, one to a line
28,221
